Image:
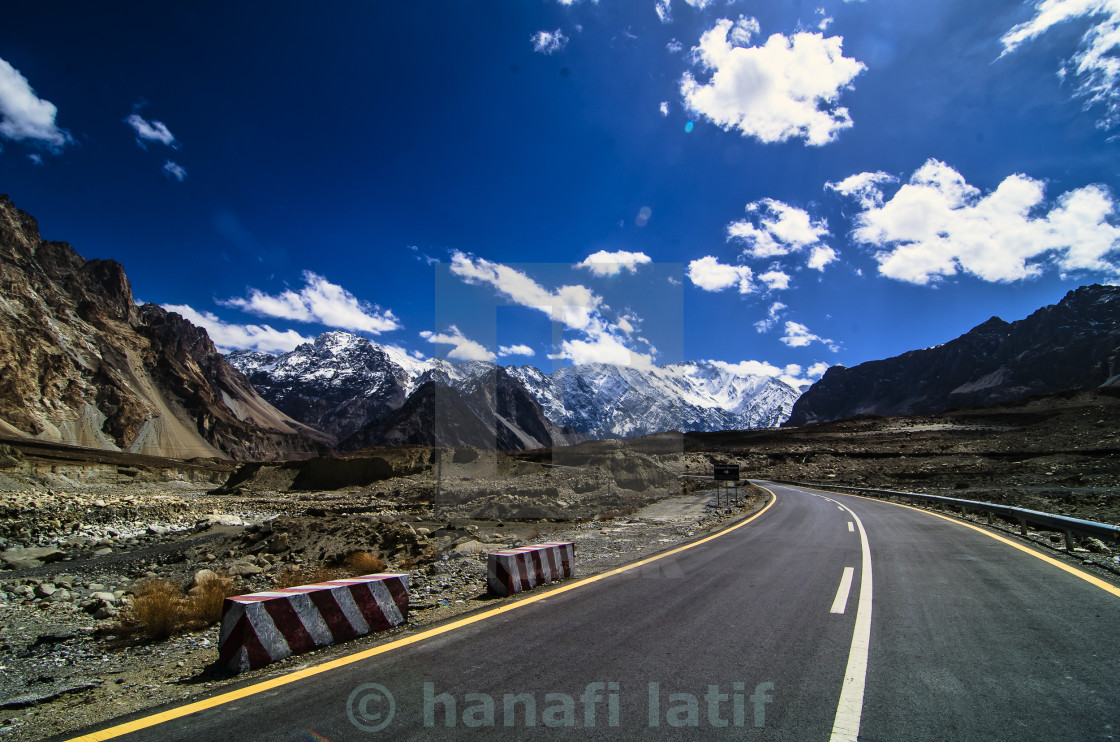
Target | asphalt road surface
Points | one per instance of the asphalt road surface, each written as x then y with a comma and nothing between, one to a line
825,617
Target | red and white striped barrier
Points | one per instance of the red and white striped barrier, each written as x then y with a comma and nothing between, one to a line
510,571
265,627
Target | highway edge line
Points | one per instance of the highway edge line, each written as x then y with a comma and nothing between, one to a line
1091,579
266,685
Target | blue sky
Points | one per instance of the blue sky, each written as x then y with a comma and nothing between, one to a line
781,186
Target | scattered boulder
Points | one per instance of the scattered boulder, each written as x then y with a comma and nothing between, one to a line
32,556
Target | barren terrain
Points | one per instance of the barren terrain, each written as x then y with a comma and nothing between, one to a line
80,532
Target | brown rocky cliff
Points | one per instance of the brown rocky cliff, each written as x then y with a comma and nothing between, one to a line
82,364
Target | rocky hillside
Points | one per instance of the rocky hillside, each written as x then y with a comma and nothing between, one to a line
83,365
1074,344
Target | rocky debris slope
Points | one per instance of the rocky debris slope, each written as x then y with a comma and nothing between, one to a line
1074,344
84,365
67,665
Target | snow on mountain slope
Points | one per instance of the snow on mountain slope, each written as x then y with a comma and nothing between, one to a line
325,379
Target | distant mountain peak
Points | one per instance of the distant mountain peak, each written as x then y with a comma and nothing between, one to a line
1074,344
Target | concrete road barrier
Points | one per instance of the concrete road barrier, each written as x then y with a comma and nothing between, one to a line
265,627
512,570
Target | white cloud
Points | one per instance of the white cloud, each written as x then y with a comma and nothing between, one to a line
938,225
464,349
786,89
318,301
24,115
781,229
791,374
514,350
798,335
227,337
605,263
820,256
575,307
773,316
699,4
174,170
150,131
664,108
664,13
817,370
674,47
1096,62
548,42
776,280
711,275
864,187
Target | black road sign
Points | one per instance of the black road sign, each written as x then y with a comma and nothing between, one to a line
727,472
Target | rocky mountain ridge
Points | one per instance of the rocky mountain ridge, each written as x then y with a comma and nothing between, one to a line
84,365
519,406
1074,344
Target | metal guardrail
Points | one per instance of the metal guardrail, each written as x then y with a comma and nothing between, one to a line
1048,521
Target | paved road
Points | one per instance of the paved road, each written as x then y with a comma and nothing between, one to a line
964,638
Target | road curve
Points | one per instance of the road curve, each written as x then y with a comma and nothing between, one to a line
746,636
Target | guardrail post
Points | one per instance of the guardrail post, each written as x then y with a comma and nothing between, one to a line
1023,527
1069,542
990,518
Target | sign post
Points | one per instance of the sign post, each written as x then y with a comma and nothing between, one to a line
725,473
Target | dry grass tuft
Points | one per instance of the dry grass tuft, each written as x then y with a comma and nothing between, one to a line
293,576
365,563
157,610
205,606
160,609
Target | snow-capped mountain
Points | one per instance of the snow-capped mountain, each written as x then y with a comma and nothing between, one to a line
603,401
343,384
336,384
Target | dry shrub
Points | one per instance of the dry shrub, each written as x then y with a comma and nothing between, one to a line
160,609
365,563
293,576
205,606
157,610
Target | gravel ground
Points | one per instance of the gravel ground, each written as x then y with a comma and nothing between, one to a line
66,665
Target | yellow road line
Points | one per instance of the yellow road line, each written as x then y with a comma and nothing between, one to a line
1092,580
266,685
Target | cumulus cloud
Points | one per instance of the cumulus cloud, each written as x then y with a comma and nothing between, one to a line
775,229
150,131
664,12
1096,63
26,116
318,301
790,374
674,47
775,279
773,316
664,108
576,307
788,88
463,348
798,335
864,187
228,337
817,370
514,350
605,263
820,256
548,42
938,225
711,275
174,170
